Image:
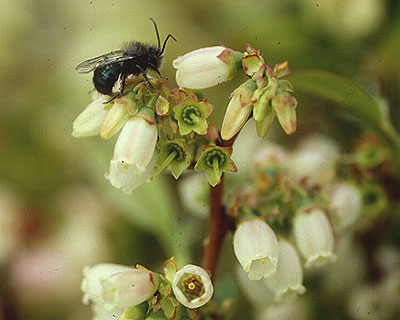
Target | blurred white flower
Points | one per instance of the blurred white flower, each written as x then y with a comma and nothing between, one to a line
314,237
90,120
270,152
288,310
117,286
350,268
255,290
192,191
256,248
133,153
387,257
369,302
346,204
288,278
314,159
206,67
192,286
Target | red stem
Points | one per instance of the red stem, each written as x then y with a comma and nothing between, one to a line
218,224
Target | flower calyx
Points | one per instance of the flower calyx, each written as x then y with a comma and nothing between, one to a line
192,115
174,154
215,160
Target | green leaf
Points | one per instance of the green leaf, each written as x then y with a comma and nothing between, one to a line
351,98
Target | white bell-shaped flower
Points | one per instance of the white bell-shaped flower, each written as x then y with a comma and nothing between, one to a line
116,286
192,286
206,67
90,120
288,278
133,153
314,237
346,205
256,248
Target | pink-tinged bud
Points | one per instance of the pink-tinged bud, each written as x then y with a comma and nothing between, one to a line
206,67
288,278
285,108
90,120
238,110
116,286
314,237
133,153
192,286
256,248
346,205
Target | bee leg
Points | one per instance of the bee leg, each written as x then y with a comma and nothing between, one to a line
121,92
143,72
160,75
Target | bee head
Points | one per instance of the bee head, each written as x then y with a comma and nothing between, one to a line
155,58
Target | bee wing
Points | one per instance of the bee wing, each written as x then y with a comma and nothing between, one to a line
103,60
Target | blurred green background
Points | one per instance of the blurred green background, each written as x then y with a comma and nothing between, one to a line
65,214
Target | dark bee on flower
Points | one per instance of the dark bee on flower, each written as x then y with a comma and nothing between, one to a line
134,59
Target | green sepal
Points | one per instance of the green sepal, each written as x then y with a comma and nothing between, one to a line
215,160
137,312
165,288
170,268
159,315
191,115
172,308
265,124
166,157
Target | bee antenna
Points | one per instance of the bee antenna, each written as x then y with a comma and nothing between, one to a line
158,35
165,42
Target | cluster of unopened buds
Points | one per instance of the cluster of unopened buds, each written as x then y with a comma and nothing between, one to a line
162,128
121,292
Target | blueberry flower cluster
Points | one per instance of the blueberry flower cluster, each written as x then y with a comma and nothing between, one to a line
290,218
122,292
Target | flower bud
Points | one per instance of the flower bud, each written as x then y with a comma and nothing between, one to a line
346,203
94,276
90,120
115,119
192,286
206,67
314,237
238,110
134,152
285,108
129,288
256,248
288,278
117,286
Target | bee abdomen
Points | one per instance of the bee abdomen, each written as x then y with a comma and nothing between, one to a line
105,77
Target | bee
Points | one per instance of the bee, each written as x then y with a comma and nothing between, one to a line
135,59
